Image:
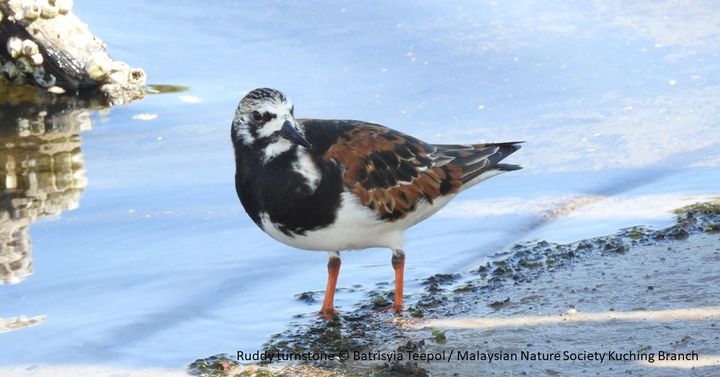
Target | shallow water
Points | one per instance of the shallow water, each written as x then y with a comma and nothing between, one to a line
159,265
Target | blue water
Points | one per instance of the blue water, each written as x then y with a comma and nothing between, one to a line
159,265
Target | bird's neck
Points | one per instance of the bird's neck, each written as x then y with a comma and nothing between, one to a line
277,156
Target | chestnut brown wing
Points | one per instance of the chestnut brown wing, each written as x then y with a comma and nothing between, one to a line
391,172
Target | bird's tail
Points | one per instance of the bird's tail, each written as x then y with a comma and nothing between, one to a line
480,161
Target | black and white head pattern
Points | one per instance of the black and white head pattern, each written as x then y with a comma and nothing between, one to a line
259,119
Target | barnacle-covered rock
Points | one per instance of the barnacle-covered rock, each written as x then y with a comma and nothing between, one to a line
48,46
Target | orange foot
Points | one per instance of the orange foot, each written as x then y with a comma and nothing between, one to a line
328,306
328,313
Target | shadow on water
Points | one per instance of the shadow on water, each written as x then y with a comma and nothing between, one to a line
42,171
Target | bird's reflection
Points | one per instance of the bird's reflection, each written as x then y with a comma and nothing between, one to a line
42,171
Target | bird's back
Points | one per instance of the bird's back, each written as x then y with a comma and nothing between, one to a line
393,173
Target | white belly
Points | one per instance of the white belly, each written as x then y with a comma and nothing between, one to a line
356,227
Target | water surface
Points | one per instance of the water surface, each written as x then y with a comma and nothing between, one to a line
153,262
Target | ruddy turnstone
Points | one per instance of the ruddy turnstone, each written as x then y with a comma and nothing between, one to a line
334,185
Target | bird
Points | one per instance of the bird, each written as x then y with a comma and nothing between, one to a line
338,185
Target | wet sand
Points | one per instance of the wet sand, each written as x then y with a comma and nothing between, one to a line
630,306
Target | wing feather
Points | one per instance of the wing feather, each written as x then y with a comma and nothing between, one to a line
391,172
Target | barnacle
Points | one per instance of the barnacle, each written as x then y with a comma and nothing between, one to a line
32,10
64,6
29,48
49,10
98,66
14,47
137,76
36,59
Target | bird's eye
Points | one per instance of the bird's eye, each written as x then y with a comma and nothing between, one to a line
257,116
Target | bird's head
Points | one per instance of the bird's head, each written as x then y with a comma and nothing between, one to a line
264,120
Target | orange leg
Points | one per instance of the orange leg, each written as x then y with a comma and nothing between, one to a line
398,263
328,306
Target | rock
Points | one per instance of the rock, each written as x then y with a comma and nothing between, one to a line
42,43
306,297
499,304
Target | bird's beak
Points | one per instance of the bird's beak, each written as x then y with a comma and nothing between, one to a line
290,132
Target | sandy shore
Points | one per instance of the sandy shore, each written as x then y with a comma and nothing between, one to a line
622,311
